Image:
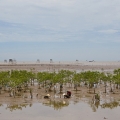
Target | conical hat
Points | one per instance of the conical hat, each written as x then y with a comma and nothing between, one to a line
48,94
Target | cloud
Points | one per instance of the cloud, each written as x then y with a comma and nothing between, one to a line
109,31
58,20
28,11
0,34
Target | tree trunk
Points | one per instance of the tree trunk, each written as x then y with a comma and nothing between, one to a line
61,88
111,90
117,86
94,90
33,82
69,85
54,89
105,87
111,87
14,93
75,87
39,86
89,88
31,93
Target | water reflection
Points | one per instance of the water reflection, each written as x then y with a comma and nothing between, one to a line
96,104
13,107
60,104
1,105
110,105
56,104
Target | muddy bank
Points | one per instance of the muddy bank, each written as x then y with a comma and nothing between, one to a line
79,106
36,67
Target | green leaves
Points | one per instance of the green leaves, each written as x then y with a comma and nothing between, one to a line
116,76
4,77
90,76
17,78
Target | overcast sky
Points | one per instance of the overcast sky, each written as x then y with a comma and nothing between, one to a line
62,30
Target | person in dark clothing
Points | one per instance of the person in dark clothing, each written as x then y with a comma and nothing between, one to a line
47,96
68,94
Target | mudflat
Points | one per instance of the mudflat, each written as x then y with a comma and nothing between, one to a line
80,105
56,66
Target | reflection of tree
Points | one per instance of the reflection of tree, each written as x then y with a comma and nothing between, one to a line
77,97
17,107
1,105
56,104
94,105
110,105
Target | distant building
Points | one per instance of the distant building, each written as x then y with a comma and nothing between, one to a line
92,61
5,61
12,61
38,61
51,60
77,61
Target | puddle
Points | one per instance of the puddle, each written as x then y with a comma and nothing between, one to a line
83,109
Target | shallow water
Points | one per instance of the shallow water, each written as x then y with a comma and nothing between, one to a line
61,110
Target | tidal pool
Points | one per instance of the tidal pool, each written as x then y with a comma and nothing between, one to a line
61,110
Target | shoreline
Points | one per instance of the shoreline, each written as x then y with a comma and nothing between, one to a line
56,66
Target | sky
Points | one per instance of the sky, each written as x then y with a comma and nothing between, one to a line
62,30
